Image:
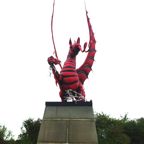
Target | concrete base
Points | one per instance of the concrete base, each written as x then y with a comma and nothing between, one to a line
71,123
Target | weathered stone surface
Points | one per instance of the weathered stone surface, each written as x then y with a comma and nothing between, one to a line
82,131
52,131
69,112
68,124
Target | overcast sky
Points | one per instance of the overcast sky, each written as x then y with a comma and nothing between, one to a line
116,84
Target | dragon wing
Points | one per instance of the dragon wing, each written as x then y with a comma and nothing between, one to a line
85,68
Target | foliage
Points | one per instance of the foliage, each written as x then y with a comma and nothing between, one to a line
29,131
110,130
6,136
135,130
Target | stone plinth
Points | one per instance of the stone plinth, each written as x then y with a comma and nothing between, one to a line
68,122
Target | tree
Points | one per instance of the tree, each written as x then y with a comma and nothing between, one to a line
6,136
135,130
110,130
29,131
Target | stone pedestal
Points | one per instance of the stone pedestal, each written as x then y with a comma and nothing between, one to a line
68,123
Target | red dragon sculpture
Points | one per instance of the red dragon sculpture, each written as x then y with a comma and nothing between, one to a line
70,79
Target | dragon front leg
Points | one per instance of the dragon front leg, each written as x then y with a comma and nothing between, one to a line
82,92
52,61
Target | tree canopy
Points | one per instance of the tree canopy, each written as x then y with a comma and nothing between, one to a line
6,136
119,131
29,131
109,131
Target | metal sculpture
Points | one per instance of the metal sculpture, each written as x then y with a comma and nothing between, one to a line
70,79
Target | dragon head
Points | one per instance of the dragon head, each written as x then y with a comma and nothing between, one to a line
76,47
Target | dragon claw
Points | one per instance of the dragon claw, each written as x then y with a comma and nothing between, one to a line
51,60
